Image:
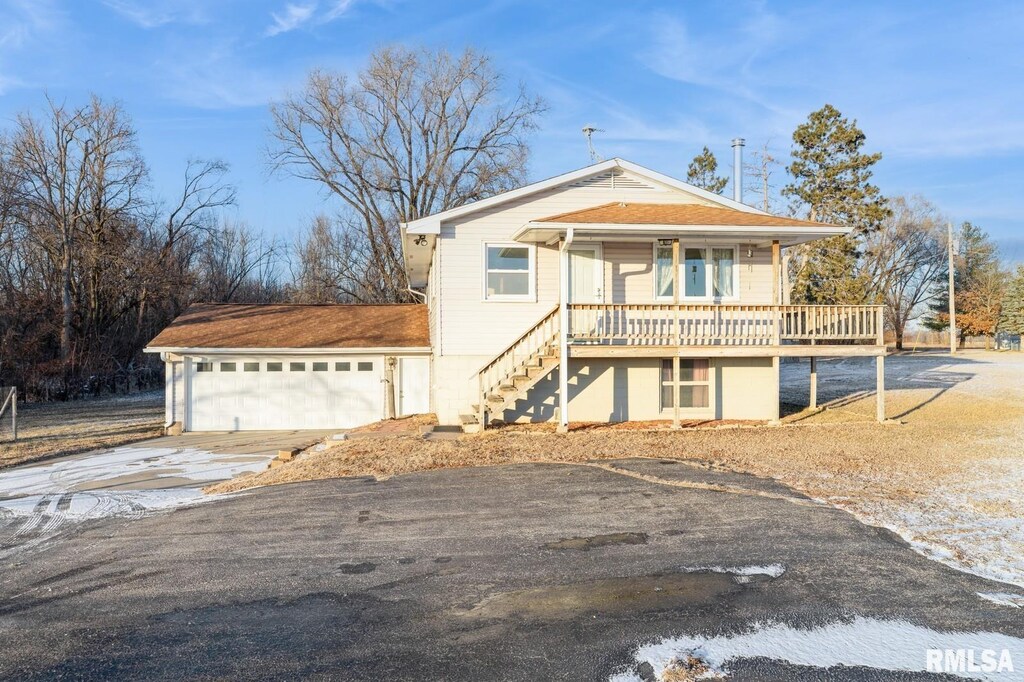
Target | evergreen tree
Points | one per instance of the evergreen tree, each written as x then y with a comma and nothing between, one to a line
976,256
832,184
1012,319
701,172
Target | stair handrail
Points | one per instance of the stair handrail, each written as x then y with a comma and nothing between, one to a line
529,343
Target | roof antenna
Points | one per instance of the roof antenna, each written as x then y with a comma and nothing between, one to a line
589,131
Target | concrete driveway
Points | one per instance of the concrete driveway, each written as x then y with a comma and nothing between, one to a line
520,572
38,501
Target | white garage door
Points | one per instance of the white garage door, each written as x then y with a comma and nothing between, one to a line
282,392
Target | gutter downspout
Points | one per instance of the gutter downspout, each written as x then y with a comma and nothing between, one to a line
563,332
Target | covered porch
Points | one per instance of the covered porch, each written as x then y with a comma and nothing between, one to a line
705,298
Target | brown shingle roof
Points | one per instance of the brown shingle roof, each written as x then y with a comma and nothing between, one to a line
674,214
218,325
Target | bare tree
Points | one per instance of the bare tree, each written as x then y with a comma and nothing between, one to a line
316,265
415,132
77,175
237,266
759,172
905,260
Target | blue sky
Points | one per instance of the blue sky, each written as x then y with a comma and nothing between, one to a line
936,86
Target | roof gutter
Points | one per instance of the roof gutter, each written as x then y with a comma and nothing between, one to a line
200,350
605,228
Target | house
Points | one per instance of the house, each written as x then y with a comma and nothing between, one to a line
662,300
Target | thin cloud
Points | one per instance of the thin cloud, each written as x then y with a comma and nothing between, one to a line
151,15
292,18
339,8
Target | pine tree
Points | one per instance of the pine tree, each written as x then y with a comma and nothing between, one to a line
977,254
701,172
1012,319
831,184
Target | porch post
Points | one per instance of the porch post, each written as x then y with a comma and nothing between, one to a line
678,335
563,333
776,283
814,383
776,271
777,382
880,388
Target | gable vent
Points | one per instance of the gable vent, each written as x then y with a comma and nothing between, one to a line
614,179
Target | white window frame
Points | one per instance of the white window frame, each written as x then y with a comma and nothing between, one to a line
710,383
709,277
531,274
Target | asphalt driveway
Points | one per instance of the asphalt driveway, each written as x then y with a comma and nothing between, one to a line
521,572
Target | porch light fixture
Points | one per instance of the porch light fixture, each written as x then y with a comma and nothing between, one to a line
421,240
664,242
750,252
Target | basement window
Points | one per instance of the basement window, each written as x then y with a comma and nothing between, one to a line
227,367
343,367
694,384
319,366
204,366
365,366
509,272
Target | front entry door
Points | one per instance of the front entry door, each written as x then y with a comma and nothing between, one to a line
586,274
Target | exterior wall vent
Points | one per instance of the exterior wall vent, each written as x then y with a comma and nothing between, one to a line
614,179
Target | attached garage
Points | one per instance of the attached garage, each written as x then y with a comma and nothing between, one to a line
274,367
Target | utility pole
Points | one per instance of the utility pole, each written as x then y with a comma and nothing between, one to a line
952,292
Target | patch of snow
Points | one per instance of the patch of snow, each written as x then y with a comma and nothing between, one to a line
770,570
1015,601
61,476
94,505
867,642
36,501
974,525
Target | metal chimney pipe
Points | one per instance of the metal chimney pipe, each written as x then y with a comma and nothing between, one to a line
737,169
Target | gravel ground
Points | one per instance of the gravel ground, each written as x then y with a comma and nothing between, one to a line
949,477
48,430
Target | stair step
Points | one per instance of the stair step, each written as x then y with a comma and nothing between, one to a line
468,419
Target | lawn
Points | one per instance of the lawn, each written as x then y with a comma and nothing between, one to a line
48,430
949,477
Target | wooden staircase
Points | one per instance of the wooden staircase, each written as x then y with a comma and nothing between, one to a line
514,371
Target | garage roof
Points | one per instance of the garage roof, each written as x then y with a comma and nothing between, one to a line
250,326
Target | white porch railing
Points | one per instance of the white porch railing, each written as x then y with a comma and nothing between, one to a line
669,324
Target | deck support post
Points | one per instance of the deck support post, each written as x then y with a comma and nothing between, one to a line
777,383
776,272
880,388
563,332
814,383
677,333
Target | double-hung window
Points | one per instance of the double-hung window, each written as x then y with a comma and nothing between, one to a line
704,272
694,384
509,272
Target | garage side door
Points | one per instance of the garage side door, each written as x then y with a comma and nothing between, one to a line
285,392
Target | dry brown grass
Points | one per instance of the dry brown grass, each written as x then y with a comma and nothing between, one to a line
834,454
52,429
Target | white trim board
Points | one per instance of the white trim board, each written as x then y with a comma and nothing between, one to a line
432,224
291,351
